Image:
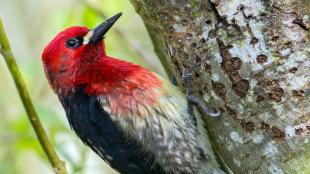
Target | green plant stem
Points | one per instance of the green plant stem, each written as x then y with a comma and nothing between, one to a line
6,51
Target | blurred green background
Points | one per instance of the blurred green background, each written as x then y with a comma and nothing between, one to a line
30,25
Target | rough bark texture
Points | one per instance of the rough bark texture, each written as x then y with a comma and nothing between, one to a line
255,68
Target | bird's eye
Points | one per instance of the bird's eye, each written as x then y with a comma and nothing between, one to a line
73,43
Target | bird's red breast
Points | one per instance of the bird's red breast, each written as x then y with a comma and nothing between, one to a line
126,86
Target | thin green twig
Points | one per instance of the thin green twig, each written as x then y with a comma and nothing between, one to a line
6,51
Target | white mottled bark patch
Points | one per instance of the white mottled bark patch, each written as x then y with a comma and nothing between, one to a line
255,67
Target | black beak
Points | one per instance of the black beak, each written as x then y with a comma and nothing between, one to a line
103,28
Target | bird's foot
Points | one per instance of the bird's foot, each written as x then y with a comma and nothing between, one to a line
202,105
186,76
187,72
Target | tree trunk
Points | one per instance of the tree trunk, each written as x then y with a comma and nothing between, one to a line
254,68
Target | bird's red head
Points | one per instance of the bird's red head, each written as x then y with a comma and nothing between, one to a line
69,53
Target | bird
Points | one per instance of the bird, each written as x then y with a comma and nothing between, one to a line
135,120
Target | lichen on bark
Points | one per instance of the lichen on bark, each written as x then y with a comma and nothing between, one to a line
254,67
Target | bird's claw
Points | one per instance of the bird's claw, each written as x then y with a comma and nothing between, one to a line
203,106
187,72
186,75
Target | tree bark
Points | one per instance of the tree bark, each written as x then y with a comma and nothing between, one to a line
254,67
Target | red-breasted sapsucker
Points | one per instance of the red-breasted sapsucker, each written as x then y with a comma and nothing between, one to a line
135,120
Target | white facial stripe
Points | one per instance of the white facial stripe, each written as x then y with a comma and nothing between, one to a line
87,37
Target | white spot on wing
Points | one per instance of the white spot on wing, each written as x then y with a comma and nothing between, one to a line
178,160
170,146
187,155
178,134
